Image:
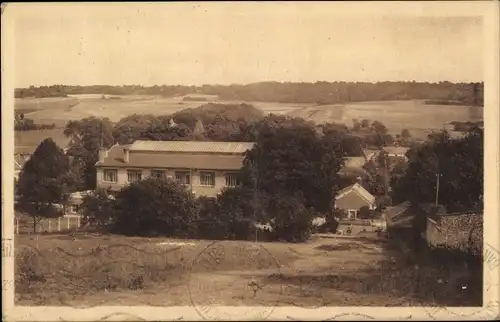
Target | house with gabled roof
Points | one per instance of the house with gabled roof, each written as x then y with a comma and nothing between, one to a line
353,198
204,167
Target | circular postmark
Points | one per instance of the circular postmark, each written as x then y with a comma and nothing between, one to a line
234,274
490,283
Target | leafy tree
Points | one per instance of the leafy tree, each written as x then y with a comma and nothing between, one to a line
88,135
365,123
161,130
98,208
240,208
458,161
130,128
291,220
210,225
155,207
289,158
405,134
44,182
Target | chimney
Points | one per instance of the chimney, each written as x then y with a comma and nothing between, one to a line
126,155
102,154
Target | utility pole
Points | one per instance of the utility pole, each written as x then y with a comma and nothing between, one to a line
437,188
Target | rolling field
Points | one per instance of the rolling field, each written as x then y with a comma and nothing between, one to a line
415,116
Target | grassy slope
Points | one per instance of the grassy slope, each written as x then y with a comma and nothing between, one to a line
136,271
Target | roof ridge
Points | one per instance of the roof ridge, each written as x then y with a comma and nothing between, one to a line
197,142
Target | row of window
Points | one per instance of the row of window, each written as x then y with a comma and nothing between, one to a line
207,178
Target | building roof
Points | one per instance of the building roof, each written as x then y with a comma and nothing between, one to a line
355,162
357,188
354,172
192,146
397,150
177,157
395,212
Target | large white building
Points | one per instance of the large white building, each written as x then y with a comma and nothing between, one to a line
203,167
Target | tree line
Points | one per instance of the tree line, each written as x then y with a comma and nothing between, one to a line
320,93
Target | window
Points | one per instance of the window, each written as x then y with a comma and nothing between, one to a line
183,177
134,175
110,175
157,174
73,209
207,178
232,180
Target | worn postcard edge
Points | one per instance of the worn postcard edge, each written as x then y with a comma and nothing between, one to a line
489,10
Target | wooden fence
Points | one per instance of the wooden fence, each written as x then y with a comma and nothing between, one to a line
47,225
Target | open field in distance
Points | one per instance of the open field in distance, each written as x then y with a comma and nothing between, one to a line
414,115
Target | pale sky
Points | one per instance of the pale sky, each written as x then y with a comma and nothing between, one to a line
192,44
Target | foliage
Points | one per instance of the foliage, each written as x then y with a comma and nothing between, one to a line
290,219
88,135
331,220
155,207
240,208
232,214
131,127
296,161
160,130
209,225
459,163
366,213
98,208
44,182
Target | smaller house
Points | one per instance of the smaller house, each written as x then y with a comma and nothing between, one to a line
352,198
74,203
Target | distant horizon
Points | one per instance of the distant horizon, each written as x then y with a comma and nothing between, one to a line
260,82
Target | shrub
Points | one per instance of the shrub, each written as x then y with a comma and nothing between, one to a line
331,224
155,207
291,220
98,209
239,208
366,213
231,215
210,225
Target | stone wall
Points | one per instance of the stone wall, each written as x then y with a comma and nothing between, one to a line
462,231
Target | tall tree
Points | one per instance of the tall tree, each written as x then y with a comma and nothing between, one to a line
291,159
88,135
44,182
458,162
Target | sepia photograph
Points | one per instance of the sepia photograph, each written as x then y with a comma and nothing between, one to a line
250,161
